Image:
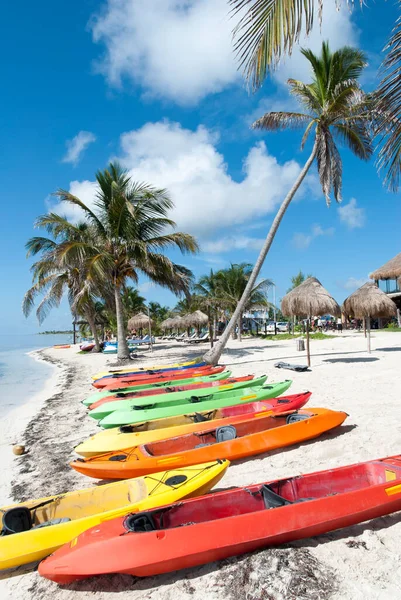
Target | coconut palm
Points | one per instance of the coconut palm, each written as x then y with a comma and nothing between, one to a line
54,276
207,289
133,230
336,108
231,285
269,29
297,279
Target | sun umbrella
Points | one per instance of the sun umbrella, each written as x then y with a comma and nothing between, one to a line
368,301
309,298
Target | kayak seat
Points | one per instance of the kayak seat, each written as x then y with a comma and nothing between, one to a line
271,499
140,522
225,433
52,522
16,520
198,418
295,417
118,457
201,398
143,407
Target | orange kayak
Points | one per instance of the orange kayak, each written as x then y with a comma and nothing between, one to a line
247,437
112,383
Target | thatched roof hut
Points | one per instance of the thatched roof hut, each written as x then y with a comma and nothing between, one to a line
167,323
196,319
368,301
140,321
178,322
309,299
391,270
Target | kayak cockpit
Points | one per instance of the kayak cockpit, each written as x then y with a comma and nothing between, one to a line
213,436
274,495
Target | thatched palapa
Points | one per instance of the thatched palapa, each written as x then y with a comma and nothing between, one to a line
307,300
196,319
368,301
391,270
139,321
167,323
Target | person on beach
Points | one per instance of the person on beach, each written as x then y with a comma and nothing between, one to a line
339,325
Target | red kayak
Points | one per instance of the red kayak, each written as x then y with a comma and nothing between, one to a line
111,383
170,389
231,522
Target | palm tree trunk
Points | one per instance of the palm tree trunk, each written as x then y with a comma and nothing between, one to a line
92,324
239,328
212,356
122,349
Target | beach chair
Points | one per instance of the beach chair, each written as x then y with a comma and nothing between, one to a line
191,337
202,338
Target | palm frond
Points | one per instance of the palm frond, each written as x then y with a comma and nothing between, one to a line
267,30
39,244
357,137
69,198
275,121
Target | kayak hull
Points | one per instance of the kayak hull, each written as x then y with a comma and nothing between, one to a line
155,377
254,435
119,418
98,395
175,397
132,371
232,522
92,506
161,391
115,439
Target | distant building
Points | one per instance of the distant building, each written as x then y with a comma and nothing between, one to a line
388,279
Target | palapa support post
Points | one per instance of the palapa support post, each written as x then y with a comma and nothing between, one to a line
307,342
364,326
368,329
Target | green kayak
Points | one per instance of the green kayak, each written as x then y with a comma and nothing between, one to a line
146,386
171,398
210,402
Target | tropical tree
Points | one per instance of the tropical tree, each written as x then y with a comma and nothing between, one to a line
54,276
132,231
208,290
270,29
231,285
297,279
132,301
336,108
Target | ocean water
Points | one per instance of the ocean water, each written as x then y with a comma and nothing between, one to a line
20,375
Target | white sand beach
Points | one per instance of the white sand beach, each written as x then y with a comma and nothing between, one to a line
358,563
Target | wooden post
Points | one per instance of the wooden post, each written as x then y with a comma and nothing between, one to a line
307,342
364,326
74,333
399,317
368,328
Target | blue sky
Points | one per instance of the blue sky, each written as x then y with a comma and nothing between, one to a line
155,84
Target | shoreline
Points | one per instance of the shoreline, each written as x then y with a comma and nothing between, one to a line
359,563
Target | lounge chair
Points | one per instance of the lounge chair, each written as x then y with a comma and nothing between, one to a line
198,340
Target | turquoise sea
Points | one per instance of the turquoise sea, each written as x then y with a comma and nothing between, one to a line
20,375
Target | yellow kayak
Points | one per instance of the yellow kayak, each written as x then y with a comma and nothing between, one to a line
39,534
134,369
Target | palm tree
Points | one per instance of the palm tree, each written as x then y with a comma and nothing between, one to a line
270,29
53,275
231,286
132,230
336,106
132,301
297,279
208,291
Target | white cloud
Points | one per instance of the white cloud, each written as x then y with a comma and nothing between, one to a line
177,49
351,215
337,28
77,146
352,283
234,242
303,241
188,164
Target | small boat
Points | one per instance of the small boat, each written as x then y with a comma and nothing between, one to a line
155,386
250,436
183,406
230,383
132,371
177,396
61,346
87,346
231,522
34,529
154,377
120,438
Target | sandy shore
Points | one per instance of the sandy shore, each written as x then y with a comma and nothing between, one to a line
358,563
